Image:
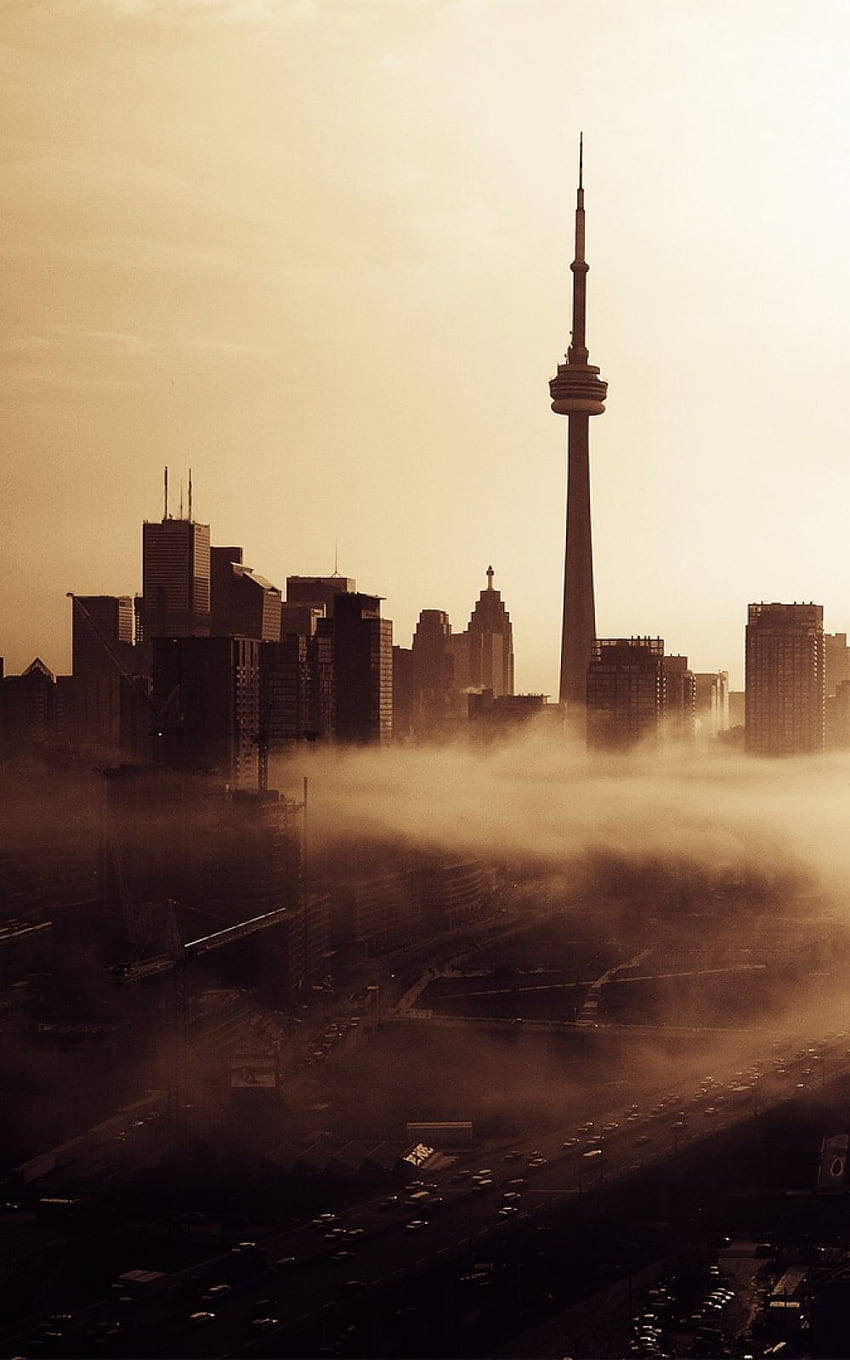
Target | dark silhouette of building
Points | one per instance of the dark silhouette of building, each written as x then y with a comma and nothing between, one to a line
175,579
578,392
111,709
433,672
626,688
785,679
31,707
318,591
242,604
362,669
207,692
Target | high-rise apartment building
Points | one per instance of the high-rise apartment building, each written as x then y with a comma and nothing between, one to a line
785,679
626,688
175,579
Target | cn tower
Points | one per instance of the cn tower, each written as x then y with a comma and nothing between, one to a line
578,392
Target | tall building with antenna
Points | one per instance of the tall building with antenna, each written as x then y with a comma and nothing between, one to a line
175,574
578,392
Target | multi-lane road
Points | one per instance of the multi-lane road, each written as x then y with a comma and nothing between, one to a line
370,1246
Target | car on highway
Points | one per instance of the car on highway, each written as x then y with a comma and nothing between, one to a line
201,1319
570,1143
265,1324
416,1225
215,1292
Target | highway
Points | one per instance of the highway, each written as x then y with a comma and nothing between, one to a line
315,1291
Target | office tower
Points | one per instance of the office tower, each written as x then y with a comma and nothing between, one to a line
578,392
362,669
242,604
625,692
679,699
785,679
175,579
207,694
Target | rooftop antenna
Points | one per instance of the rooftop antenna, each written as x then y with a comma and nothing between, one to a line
165,495
336,557
181,497
190,493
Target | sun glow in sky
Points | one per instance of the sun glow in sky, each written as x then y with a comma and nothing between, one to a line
318,250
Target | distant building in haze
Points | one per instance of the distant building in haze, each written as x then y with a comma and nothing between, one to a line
625,692
679,699
711,702
785,679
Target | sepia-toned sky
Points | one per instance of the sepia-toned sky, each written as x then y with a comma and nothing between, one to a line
318,251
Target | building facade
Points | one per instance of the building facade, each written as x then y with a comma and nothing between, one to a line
785,682
626,689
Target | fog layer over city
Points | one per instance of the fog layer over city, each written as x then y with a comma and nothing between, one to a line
547,800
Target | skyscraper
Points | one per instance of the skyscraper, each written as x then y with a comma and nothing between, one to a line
175,579
362,669
785,679
578,392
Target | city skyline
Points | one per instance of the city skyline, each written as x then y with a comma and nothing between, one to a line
311,238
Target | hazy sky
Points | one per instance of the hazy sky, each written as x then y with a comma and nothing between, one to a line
318,250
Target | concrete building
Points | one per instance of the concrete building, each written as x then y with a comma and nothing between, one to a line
578,392
626,688
785,679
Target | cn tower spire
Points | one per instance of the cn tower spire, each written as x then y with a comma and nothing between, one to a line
578,392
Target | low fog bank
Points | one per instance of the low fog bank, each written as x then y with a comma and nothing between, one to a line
551,802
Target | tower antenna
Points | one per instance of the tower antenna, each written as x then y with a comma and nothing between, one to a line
336,557
181,497
165,495
190,493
